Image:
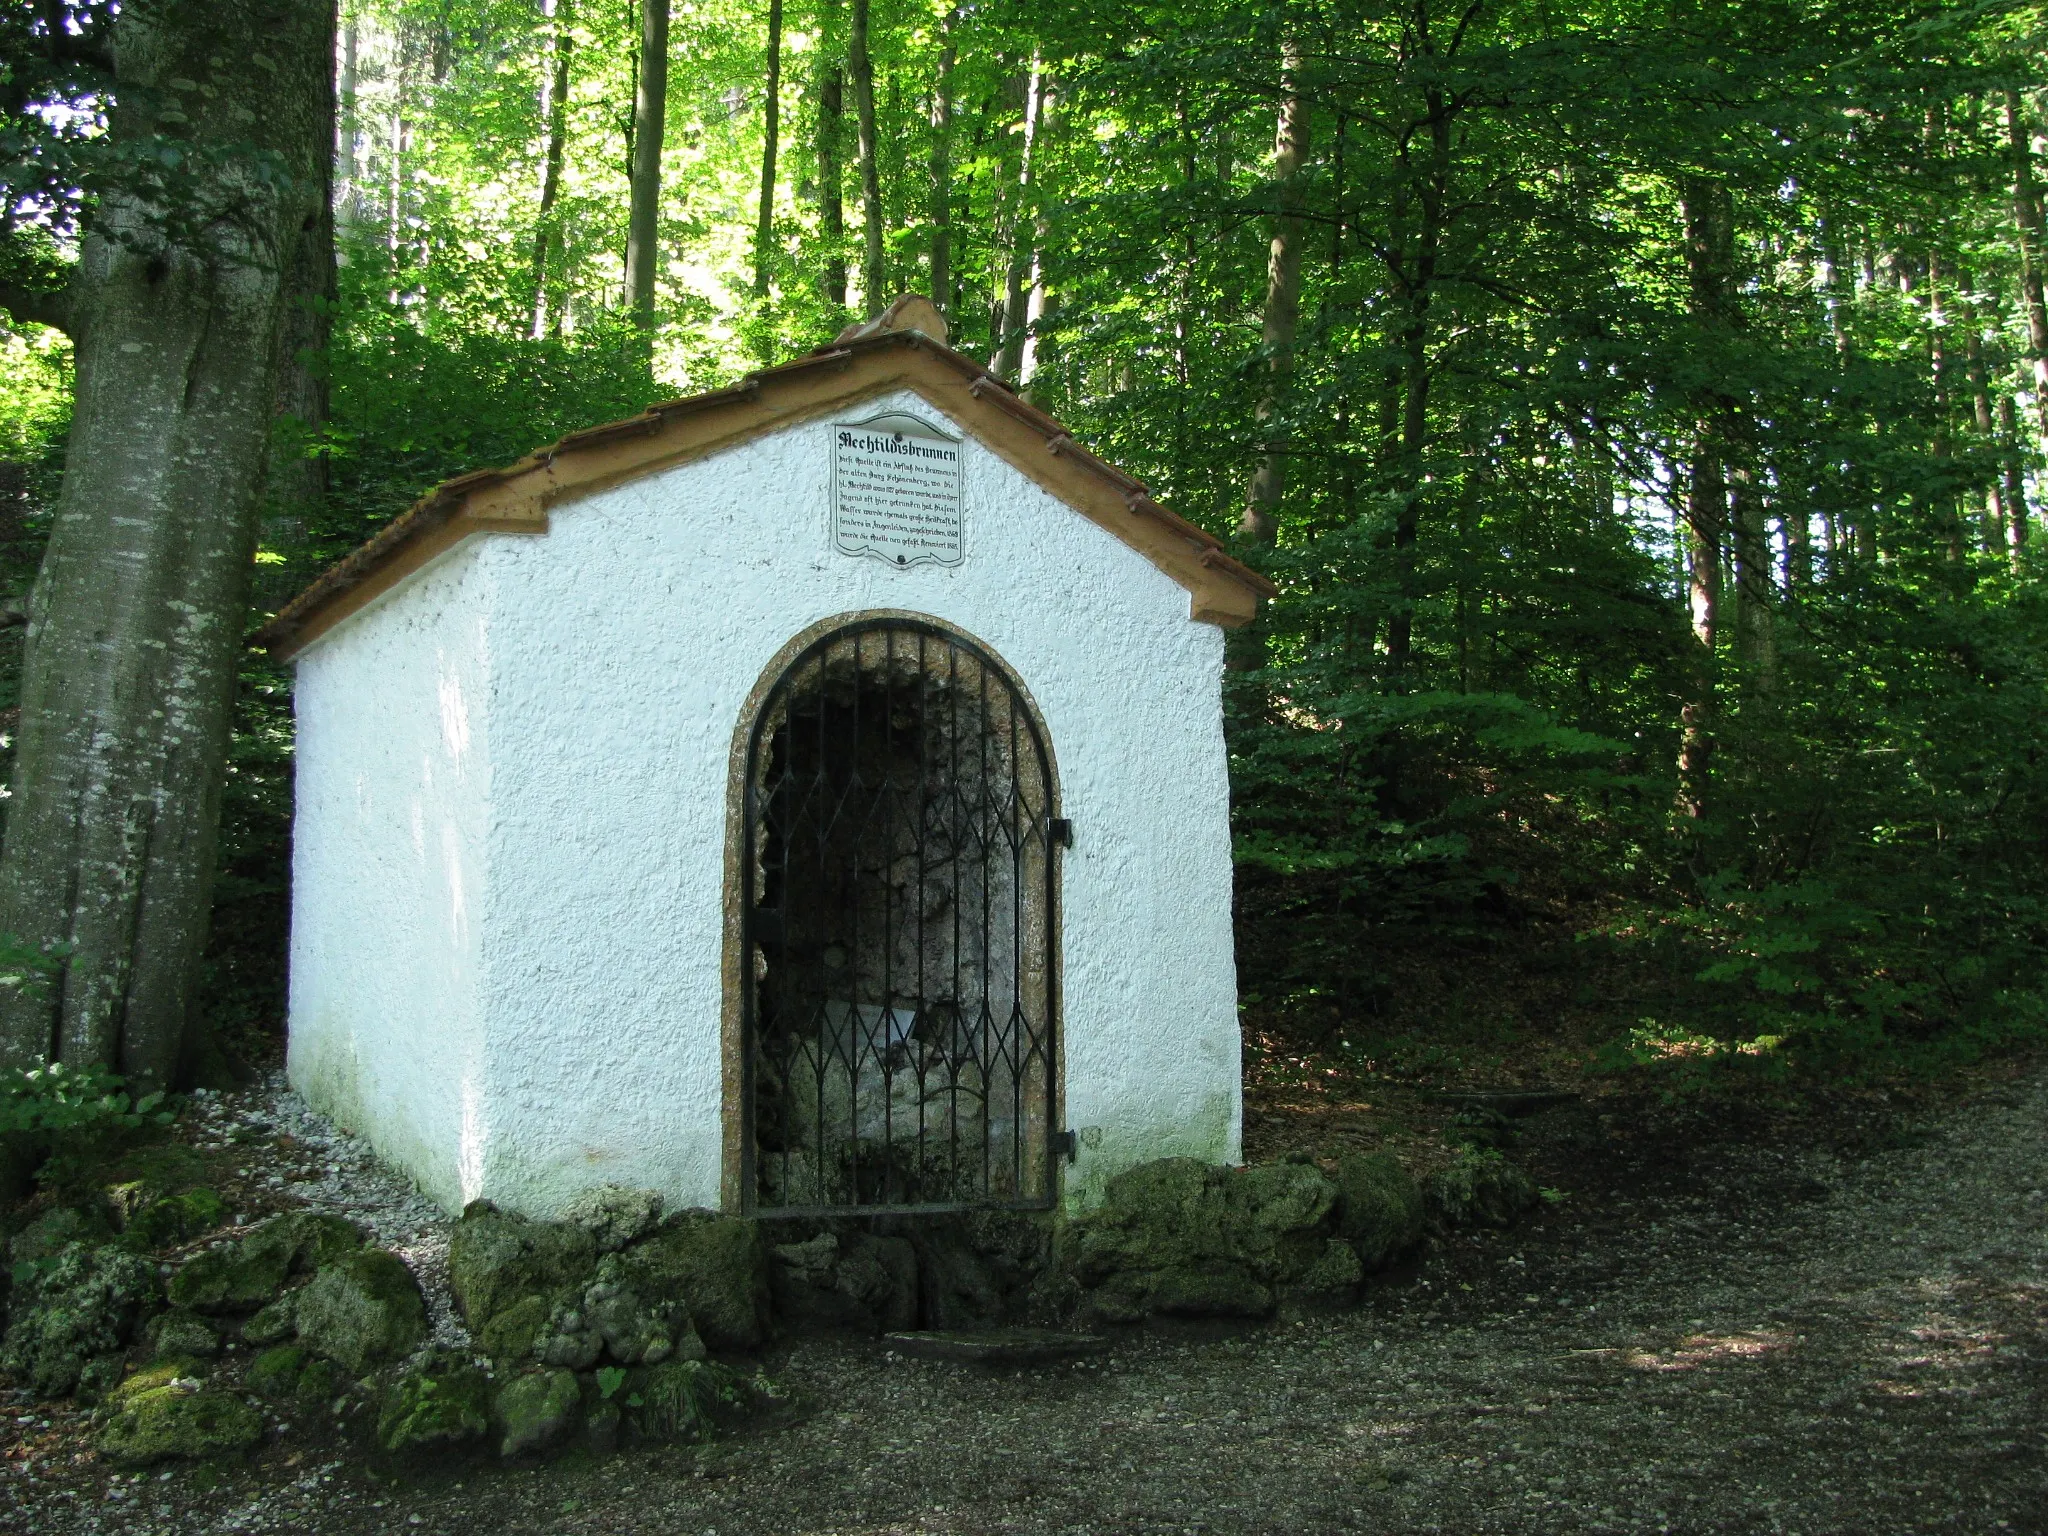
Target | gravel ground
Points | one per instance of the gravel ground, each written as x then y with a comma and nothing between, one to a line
1710,1335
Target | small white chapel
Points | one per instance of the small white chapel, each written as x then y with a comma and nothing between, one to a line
803,798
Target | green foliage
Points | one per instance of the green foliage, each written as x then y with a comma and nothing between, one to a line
1454,735
55,1099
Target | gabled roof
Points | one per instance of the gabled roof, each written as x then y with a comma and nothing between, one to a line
904,349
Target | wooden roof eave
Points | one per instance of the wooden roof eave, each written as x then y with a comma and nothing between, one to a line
517,498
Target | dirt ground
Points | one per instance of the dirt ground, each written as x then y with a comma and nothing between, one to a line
1715,1329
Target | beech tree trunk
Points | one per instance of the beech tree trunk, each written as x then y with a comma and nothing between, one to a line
831,129
1708,216
2026,209
1038,300
2016,516
650,128
1282,316
136,619
942,168
554,103
1015,310
771,130
873,277
296,486
1418,285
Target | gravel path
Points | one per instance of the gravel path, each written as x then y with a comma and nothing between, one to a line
1721,1339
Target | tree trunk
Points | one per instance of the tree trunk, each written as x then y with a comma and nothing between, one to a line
295,488
1038,299
2016,515
1016,283
1261,519
1755,644
873,278
1419,284
136,619
831,133
2026,210
1709,259
942,168
650,129
1945,506
554,111
1996,540
347,149
771,132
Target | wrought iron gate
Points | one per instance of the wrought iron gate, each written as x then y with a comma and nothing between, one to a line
899,976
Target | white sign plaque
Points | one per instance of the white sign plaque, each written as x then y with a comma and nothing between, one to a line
896,491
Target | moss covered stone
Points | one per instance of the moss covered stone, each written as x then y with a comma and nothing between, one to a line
1180,1237
510,1334
1480,1188
174,1219
168,1413
275,1373
496,1259
273,1324
1381,1214
65,1312
716,1267
362,1311
536,1412
243,1275
1220,1290
440,1401
179,1332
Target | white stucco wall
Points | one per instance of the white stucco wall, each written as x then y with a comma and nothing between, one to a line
619,650
390,840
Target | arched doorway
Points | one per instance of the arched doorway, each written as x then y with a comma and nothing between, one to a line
899,881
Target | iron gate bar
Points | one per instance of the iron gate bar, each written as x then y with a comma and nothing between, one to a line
819,839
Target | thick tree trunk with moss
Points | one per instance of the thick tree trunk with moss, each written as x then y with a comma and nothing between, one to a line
136,619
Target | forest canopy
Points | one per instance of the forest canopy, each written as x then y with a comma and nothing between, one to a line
1640,407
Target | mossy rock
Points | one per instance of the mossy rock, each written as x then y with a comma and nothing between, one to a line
716,1267
176,1419
536,1412
496,1259
440,1401
362,1311
1168,1229
180,1333
1222,1290
244,1275
68,1311
1331,1282
1480,1188
511,1333
275,1373
273,1324
174,1219
1277,1218
1381,1215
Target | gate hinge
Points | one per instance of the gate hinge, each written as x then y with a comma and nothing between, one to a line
1066,1144
1062,831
